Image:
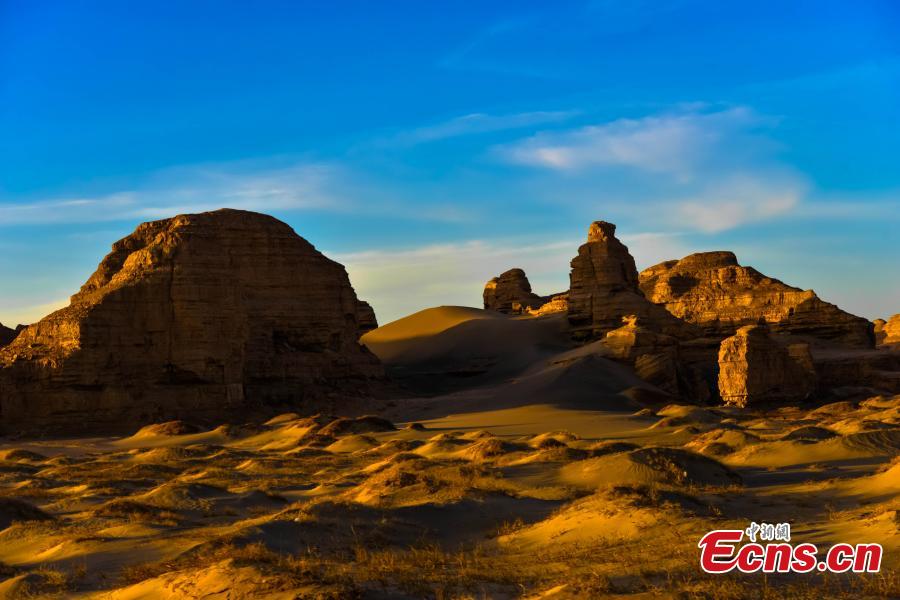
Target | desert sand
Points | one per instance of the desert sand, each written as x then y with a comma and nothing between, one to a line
514,464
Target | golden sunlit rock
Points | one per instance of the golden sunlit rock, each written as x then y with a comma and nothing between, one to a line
714,292
754,368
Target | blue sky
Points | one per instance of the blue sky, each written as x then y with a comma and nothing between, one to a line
429,146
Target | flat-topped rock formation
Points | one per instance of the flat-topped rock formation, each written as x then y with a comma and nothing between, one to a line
712,290
754,368
198,315
604,288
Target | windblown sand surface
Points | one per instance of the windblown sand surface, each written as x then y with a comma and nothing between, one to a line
520,467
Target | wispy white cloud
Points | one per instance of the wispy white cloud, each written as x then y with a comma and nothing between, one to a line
306,186
736,200
67,210
678,143
693,168
477,123
195,189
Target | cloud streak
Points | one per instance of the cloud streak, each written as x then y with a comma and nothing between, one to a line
739,199
303,187
479,123
677,144
695,169
323,187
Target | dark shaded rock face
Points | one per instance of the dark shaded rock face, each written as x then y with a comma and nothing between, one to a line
197,316
7,335
604,288
365,316
714,292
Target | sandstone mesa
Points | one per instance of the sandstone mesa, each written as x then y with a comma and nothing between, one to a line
204,315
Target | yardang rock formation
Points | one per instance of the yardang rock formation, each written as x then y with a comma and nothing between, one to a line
204,315
511,293
754,368
714,292
705,324
604,289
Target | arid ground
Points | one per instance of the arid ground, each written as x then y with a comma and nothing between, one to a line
489,486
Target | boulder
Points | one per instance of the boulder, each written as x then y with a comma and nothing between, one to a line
604,288
713,291
511,293
198,316
756,369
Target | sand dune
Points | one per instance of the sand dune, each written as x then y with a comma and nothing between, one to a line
526,468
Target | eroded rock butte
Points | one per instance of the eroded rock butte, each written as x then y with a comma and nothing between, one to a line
204,315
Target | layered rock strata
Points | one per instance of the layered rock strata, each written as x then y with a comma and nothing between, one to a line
204,315
713,291
755,369
604,288
654,356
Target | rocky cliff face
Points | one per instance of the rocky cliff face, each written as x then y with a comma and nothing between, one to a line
754,368
713,291
198,315
604,288
7,335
